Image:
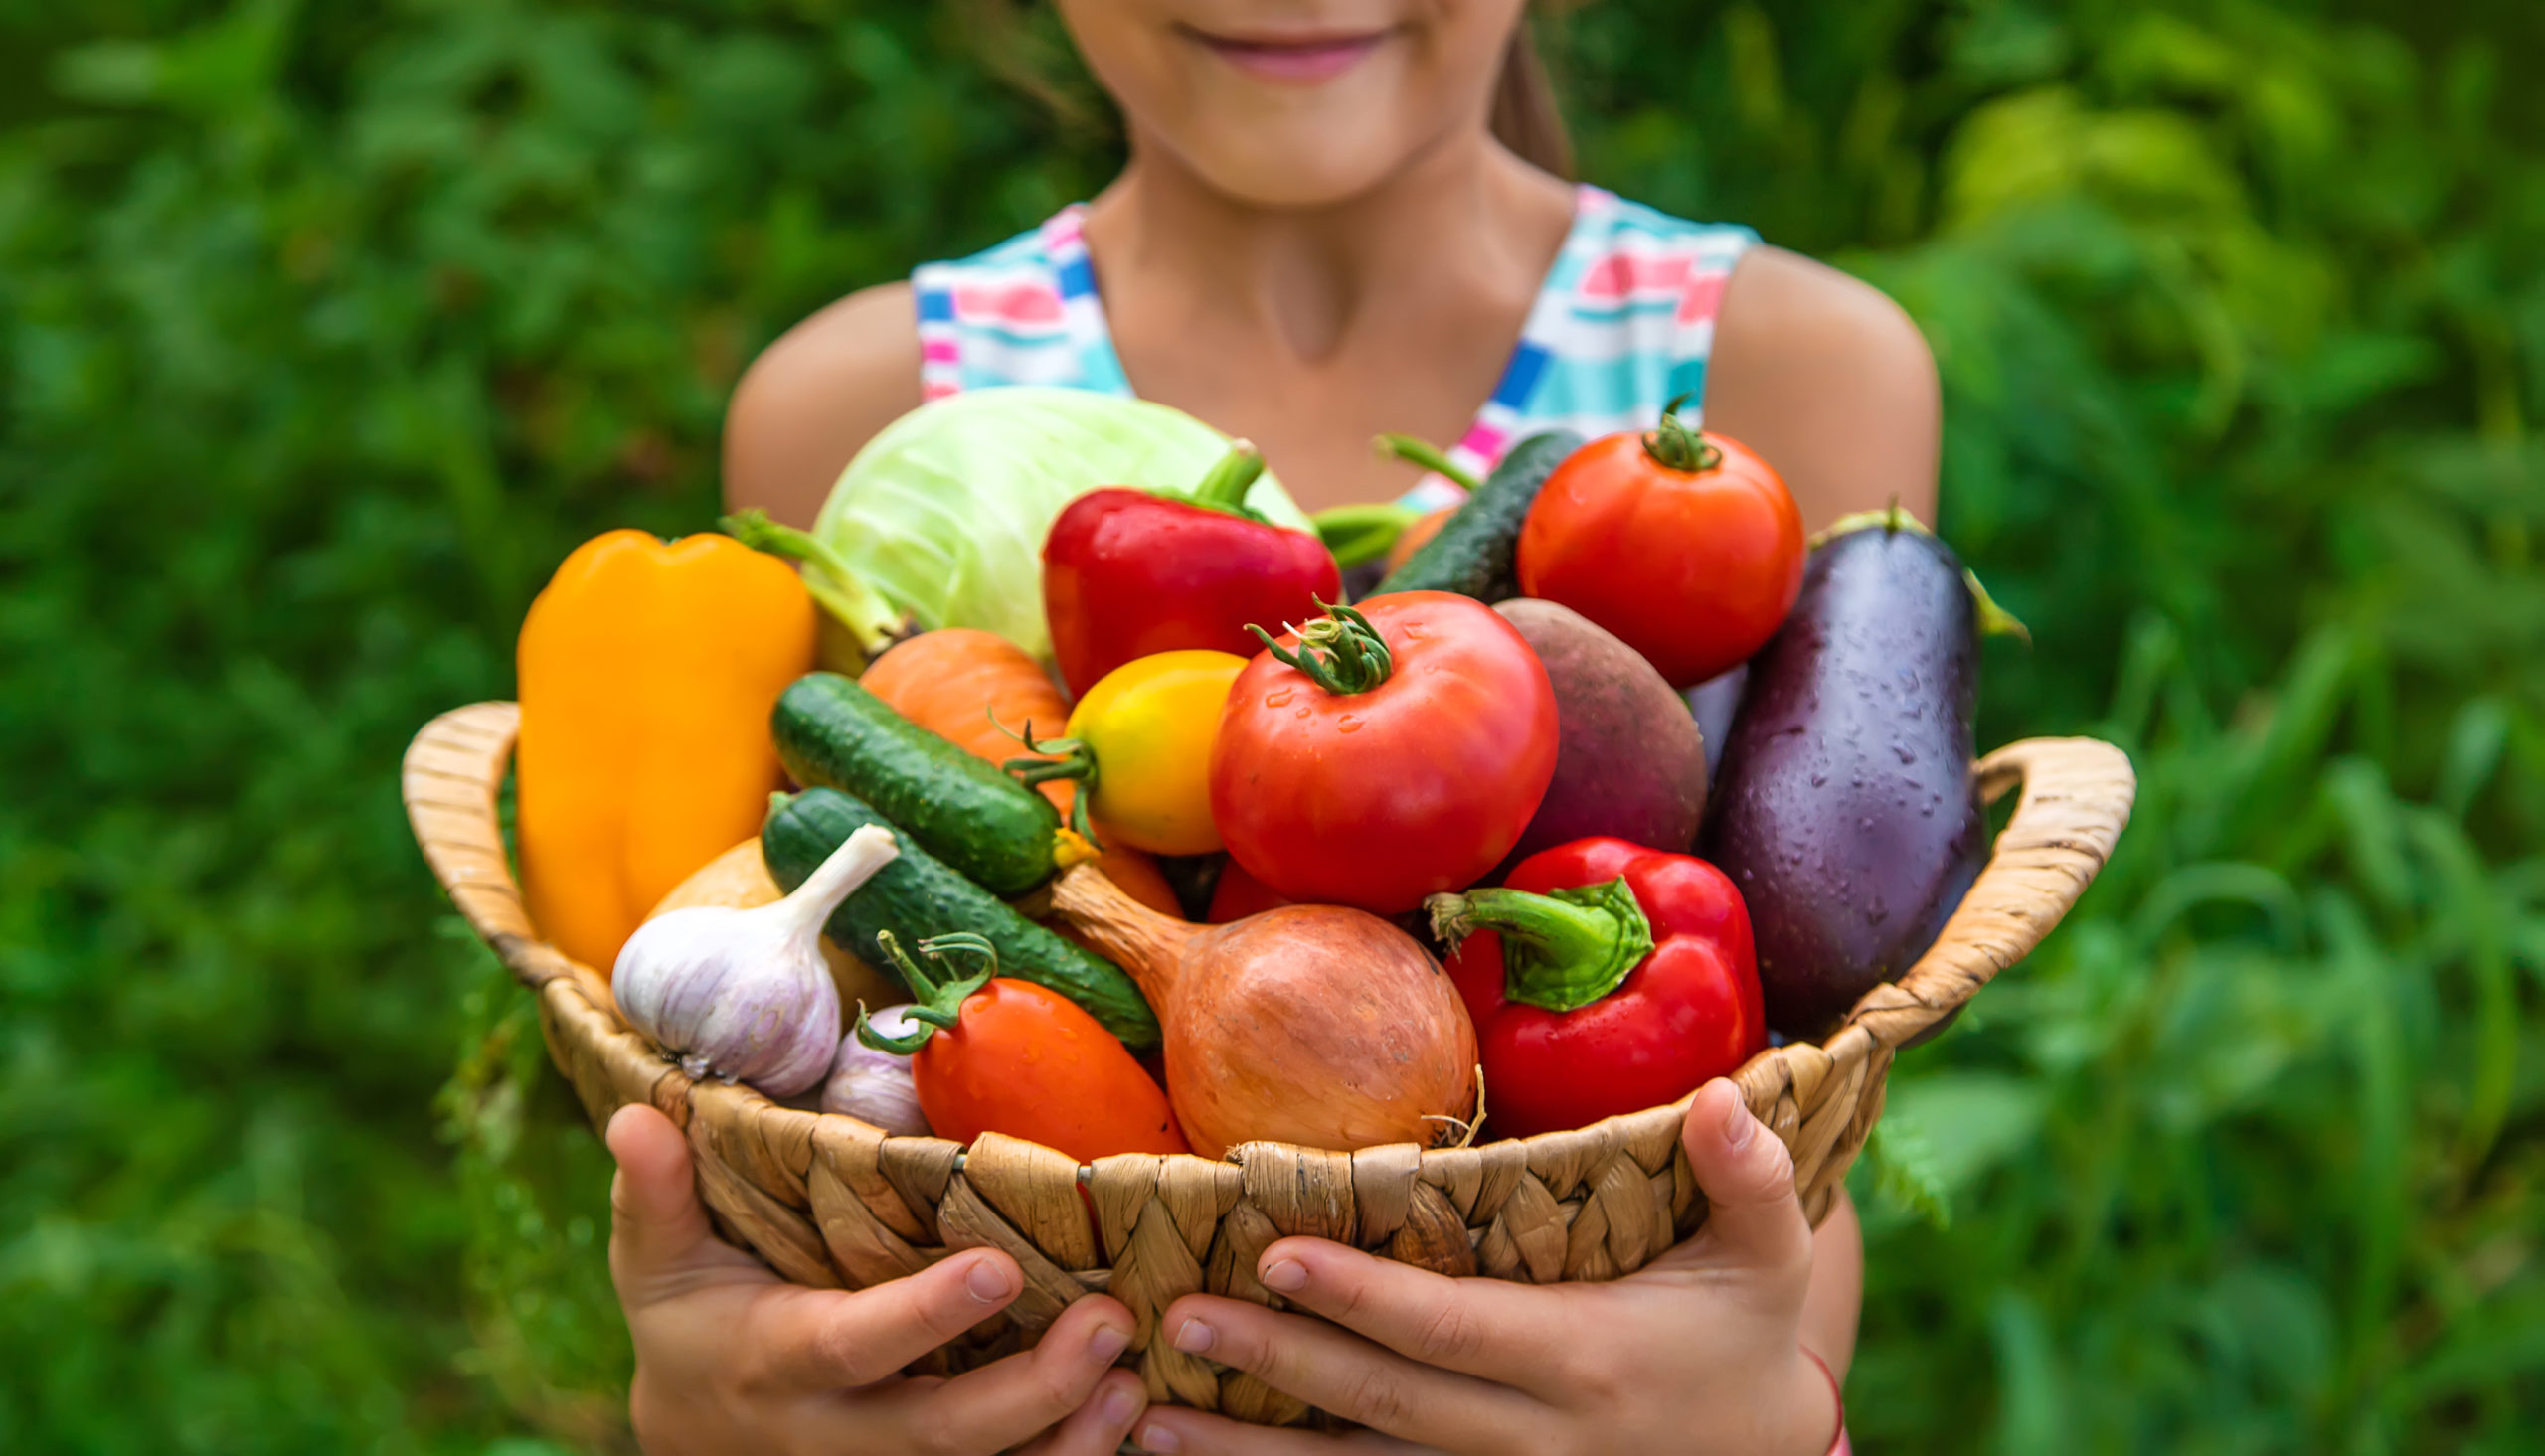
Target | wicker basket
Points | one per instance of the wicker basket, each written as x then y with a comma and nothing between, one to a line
829,1202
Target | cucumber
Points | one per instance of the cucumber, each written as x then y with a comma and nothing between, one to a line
1471,552
918,896
833,734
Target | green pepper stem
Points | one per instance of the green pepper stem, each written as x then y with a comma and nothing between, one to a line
1430,456
859,607
1994,620
1674,444
1562,950
1339,651
935,1005
1357,533
1225,488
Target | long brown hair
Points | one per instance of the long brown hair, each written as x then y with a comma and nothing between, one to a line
1525,117
1037,61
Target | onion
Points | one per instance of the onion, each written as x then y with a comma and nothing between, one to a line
1315,1024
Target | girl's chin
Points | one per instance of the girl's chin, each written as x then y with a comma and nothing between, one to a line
1294,163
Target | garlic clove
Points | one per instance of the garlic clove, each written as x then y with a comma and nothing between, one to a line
745,994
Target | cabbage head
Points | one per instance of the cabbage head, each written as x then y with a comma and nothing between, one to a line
944,514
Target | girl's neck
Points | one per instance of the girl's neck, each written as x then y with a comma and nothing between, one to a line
1304,279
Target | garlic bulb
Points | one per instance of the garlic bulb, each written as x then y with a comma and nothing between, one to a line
873,1087
744,994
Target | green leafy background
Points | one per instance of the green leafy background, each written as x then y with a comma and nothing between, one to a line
326,330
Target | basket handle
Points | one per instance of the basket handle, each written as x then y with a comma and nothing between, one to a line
1823,1099
452,773
2076,796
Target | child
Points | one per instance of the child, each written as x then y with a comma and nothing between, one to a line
1337,220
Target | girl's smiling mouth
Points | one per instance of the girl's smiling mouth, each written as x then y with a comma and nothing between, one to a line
1300,59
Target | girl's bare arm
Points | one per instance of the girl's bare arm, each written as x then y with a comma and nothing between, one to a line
1831,381
815,397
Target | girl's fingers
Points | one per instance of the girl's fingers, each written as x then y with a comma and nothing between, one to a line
810,1340
1172,1431
656,1227
1010,1401
1506,1333
1344,1374
1101,1425
1754,1220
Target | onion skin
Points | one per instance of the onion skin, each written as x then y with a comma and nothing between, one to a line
1315,1024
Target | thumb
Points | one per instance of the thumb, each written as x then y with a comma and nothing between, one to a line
656,1225
1753,1218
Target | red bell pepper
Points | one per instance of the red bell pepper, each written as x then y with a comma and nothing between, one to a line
1604,978
1130,573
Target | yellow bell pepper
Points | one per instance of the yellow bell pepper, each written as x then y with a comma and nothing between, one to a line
1139,746
647,672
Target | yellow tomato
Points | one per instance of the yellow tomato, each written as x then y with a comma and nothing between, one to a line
1148,725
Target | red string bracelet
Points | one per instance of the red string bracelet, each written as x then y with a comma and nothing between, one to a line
1837,1443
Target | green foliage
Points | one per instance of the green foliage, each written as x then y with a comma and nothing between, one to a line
325,331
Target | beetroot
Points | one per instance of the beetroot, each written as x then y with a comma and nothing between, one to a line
1630,762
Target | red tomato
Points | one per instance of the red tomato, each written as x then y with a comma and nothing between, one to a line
1025,1061
1686,546
1396,776
1240,894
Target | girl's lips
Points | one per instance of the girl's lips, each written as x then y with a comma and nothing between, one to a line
1301,61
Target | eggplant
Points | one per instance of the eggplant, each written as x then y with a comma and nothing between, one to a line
1844,807
1714,702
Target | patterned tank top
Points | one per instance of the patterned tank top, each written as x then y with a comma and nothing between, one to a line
1623,325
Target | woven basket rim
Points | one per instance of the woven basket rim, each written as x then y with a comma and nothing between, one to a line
2045,857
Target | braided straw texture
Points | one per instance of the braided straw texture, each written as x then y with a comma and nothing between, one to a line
830,1202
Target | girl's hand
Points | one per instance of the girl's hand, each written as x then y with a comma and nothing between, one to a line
730,1357
1700,1351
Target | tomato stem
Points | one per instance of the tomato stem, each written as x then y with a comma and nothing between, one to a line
1069,758
1561,950
1673,444
1339,651
936,1004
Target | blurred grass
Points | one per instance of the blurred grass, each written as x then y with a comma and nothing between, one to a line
325,330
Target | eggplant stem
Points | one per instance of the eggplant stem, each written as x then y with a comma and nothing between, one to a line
1994,619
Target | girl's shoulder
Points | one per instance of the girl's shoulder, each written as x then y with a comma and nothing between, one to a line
816,395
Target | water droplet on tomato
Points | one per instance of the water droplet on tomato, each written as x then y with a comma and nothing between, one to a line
1279,698
1347,724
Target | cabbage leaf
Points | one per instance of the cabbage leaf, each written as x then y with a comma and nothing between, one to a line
944,512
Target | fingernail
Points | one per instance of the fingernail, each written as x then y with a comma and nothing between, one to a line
1287,1275
1119,1406
1160,1440
1107,1342
987,1281
1738,1125
1193,1336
